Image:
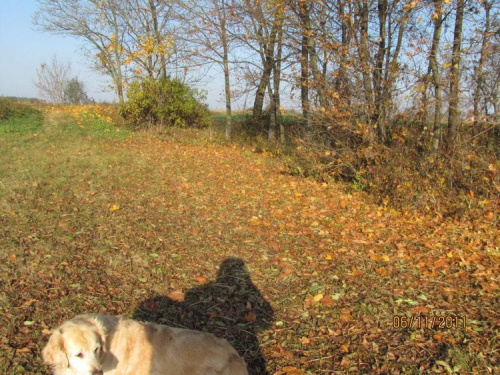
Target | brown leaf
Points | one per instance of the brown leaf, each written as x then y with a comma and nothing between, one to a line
345,315
421,310
441,263
250,317
327,301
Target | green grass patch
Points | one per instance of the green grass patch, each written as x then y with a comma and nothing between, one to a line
18,117
97,127
27,123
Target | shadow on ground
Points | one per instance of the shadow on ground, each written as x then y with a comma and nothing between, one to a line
230,307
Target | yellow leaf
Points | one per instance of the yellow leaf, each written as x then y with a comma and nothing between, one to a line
318,297
386,258
114,207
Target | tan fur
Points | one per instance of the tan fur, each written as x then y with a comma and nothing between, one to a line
133,348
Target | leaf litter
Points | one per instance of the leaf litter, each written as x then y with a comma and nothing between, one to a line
145,227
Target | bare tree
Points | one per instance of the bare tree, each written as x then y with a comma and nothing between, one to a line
52,79
210,31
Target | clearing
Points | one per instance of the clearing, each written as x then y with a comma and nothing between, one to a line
302,277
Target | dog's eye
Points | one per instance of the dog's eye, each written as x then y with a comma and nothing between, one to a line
80,355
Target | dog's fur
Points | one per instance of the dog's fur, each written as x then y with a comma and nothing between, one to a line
103,344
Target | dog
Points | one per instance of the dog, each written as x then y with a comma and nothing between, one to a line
100,344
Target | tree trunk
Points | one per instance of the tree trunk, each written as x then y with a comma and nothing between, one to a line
277,81
304,66
480,66
157,36
341,84
364,56
379,114
436,79
221,13
453,111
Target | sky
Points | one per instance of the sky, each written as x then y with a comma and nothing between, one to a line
24,49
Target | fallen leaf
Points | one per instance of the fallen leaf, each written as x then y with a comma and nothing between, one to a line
421,310
250,317
318,297
290,370
304,340
177,295
114,207
382,271
201,279
327,301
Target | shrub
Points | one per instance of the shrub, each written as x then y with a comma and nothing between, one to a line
163,103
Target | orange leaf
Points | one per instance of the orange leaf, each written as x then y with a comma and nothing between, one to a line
177,295
441,263
421,310
304,340
382,271
356,272
201,279
290,370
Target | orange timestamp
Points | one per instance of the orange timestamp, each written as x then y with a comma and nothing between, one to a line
429,322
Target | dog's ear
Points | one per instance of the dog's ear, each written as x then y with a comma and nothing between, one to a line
53,354
100,328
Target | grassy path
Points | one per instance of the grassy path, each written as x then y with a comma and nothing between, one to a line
92,219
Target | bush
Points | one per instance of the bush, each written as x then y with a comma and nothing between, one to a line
164,103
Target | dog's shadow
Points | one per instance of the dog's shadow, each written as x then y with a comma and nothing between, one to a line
230,307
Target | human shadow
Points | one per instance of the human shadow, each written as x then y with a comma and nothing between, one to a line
230,307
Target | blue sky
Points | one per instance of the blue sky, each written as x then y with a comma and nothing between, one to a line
24,49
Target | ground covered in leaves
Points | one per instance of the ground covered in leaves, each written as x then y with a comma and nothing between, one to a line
302,277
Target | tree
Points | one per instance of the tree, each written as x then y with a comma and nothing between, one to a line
210,23
437,17
52,79
97,23
453,111
74,93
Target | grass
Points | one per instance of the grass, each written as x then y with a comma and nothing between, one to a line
93,218
18,117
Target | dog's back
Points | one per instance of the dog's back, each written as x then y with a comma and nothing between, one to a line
148,348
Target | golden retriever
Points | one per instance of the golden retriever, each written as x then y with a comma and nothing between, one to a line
102,344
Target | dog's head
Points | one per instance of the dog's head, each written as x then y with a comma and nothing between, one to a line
77,346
